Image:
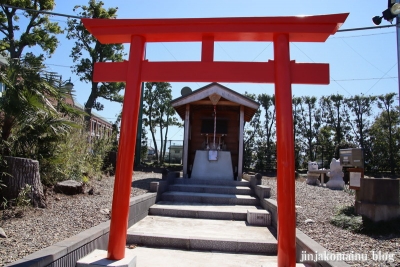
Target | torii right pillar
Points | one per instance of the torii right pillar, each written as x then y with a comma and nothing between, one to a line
285,152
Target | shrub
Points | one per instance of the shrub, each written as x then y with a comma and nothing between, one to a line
79,158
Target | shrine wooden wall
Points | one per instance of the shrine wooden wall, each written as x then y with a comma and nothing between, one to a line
196,139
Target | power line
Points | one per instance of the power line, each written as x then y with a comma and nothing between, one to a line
42,11
59,65
362,35
355,51
366,28
366,79
314,62
380,79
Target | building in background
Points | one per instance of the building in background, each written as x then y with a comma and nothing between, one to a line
175,153
99,126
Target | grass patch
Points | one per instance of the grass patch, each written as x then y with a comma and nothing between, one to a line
347,218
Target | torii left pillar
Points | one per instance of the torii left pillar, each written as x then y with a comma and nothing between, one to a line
122,187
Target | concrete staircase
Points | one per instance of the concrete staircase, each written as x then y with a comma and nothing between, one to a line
214,216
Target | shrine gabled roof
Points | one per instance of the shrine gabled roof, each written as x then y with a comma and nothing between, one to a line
229,97
299,28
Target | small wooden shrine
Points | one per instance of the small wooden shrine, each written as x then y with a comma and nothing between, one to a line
214,117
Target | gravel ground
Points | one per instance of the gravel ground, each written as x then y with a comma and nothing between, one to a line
319,204
66,216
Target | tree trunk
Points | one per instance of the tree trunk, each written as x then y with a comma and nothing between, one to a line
24,171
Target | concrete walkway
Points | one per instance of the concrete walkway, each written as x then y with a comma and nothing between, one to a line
204,223
152,257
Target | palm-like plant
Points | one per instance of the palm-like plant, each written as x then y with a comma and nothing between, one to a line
32,111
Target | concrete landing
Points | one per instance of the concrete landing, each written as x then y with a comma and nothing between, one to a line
204,211
214,189
202,234
210,198
207,181
152,257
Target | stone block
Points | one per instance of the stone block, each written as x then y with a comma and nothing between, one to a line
98,258
380,191
263,191
257,247
69,187
255,180
153,186
258,217
378,212
224,244
170,241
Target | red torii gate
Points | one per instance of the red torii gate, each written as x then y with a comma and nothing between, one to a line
281,71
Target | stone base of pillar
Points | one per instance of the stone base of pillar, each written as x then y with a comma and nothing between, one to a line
98,258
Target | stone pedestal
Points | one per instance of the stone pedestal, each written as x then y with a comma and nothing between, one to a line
98,258
203,168
379,199
312,178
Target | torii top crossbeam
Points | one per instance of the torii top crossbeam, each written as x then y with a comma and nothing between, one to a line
281,71
299,29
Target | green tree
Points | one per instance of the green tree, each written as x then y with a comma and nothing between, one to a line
88,51
269,130
30,118
39,31
335,114
385,131
35,120
25,88
296,101
251,134
326,145
360,107
159,113
143,145
310,122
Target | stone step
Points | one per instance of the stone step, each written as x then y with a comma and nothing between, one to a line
156,257
209,198
214,189
202,234
223,182
202,211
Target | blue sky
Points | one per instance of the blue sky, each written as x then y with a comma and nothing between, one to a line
361,62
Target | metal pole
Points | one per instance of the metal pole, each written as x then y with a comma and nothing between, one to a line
169,152
398,51
138,149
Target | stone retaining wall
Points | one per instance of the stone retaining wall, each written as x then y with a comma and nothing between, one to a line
67,252
304,244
